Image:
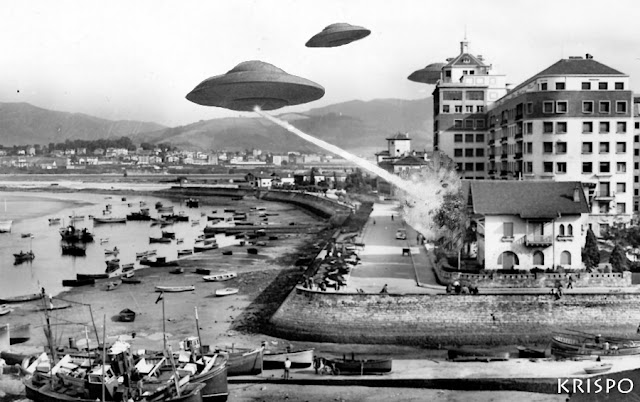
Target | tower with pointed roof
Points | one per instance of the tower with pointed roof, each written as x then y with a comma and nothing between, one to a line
466,88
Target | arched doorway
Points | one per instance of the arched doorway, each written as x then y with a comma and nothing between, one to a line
565,258
508,259
538,258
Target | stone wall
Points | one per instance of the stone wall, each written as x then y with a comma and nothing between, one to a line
324,207
433,320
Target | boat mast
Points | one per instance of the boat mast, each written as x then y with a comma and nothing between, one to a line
48,334
198,328
104,352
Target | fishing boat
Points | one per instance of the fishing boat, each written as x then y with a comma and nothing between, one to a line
600,368
165,209
74,250
182,253
192,203
159,240
23,257
177,271
22,298
54,221
362,366
226,292
187,288
143,215
72,234
571,344
115,251
228,252
113,285
274,359
243,361
112,266
103,220
212,371
127,315
25,235
200,247
224,276
528,353
159,262
4,310
147,253
82,277
476,355
76,282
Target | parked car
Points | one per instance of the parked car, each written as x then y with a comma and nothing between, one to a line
401,234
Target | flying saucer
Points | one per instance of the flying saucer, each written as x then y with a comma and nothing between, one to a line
337,35
428,75
255,83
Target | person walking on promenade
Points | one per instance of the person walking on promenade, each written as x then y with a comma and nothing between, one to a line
287,367
570,284
384,289
392,217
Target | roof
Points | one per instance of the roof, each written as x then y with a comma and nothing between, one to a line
473,60
385,152
573,66
400,136
410,160
527,199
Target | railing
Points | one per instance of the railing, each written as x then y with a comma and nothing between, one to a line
518,155
538,240
604,194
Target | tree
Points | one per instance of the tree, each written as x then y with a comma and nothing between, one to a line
590,253
451,217
618,259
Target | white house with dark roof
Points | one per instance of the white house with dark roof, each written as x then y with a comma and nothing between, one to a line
528,224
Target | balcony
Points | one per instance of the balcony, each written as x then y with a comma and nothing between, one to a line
504,140
492,157
538,240
519,116
504,173
519,155
604,195
492,172
518,135
491,141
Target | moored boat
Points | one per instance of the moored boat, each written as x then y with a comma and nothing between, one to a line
199,247
362,366
22,298
158,262
54,221
473,355
224,276
5,226
23,257
184,252
187,288
274,359
127,315
72,234
130,280
74,250
600,368
243,361
101,220
159,240
76,282
571,344
226,291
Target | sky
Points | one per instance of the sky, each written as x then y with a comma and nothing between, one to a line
137,59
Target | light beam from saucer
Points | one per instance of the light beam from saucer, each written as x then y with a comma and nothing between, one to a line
337,35
255,83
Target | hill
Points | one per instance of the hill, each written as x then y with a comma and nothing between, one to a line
23,124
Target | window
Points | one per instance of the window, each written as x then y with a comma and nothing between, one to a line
561,167
621,208
603,85
604,147
468,109
530,108
547,147
446,109
561,230
468,153
480,137
561,127
528,128
565,258
528,167
458,108
475,95
468,138
468,167
547,127
604,126
562,106
452,95
479,151
636,165
605,107
621,127
621,106
605,167
547,167
604,208
547,107
621,147
543,86
479,123
560,86
619,86
587,106
538,258
457,123
569,230
587,127
479,167
457,138
586,86
457,152
621,188
561,147
587,147
459,167
507,229
587,167
468,123
479,109
528,147
621,167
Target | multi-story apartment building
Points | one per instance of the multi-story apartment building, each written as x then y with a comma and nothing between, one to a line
466,88
636,154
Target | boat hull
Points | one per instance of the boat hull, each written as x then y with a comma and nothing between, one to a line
174,288
476,355
23,298
76,282
5,226
364,366
572,346
298,359
215,384
244,362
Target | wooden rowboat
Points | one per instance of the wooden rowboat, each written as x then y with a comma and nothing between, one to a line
225,276
133,281
76,282
362,366
4,310
127,315
476,355
175,288
600,368
274,359
21,299
243,361
227,291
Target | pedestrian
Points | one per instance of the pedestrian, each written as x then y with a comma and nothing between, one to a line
317,363
374,221
457,287
570,284
560,289
391,217
384,289
287,367
638,330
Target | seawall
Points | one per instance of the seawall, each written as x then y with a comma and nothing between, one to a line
434,320
321,206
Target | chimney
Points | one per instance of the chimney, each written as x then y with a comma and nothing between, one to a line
576,194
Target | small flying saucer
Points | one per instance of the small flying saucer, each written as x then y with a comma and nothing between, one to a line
428,75
337,35
255,83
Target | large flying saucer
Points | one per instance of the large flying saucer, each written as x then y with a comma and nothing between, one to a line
255,83
337,35
428,75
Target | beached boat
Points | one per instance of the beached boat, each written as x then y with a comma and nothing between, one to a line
600,368
177,271
114,251
113,285
224,276
82,277
274,359
26,235
528,353
22,298
127,315
200,247
571,344
187,288
252,251
74,250
159,262
130,280
101,220
4,310
243,361
127,267
226,292
54,221
112,266
362,366
23,257
19,333
184,252
228,252
159,240
476,355
147,253
77,282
